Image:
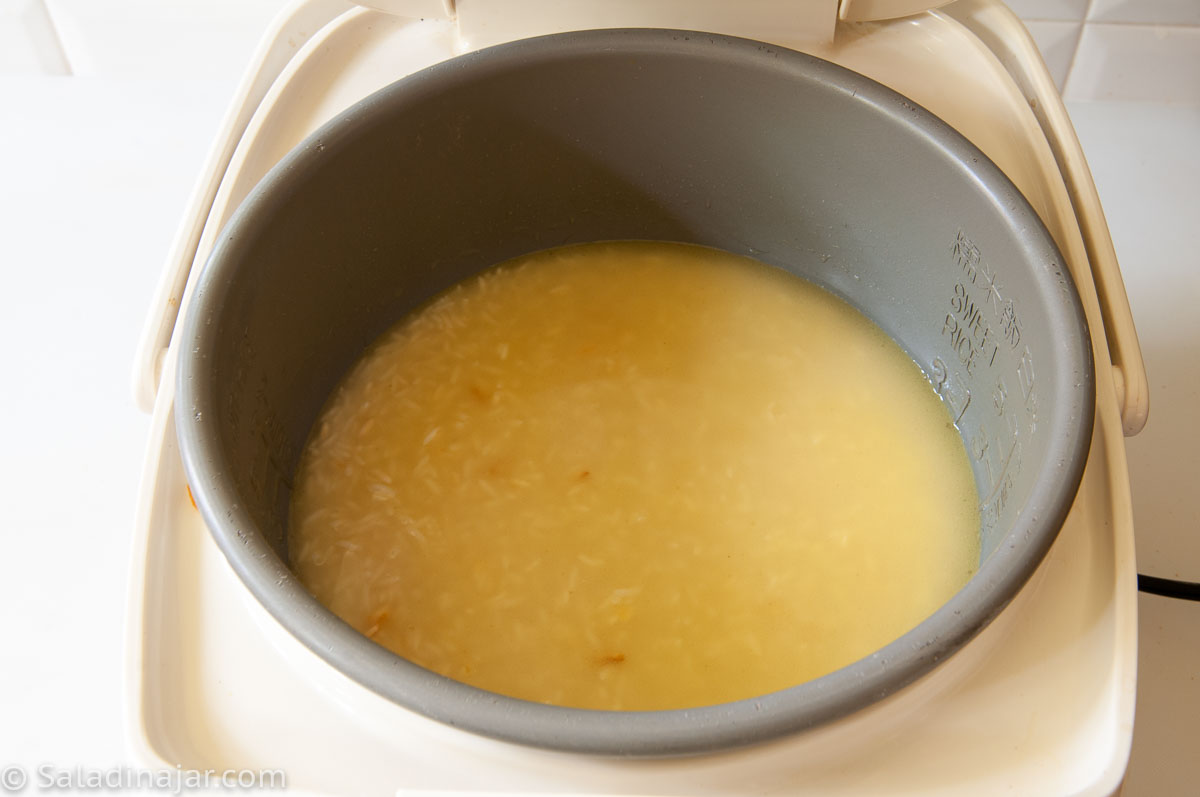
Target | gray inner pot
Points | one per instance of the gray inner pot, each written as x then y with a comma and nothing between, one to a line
635,134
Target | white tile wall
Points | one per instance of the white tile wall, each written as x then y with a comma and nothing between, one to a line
1073,10
1156,12
144,37
1131,63
1125,50
1057,40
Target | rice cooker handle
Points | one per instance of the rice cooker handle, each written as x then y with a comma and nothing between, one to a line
295,25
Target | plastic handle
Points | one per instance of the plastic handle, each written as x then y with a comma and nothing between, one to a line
291,28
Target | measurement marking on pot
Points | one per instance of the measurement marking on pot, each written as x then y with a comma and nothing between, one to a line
970,335
1027,384
967,254
951,388
978,273
1001,459
984,330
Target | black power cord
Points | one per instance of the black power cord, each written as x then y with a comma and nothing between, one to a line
1169,587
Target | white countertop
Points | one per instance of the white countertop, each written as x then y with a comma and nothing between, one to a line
96,171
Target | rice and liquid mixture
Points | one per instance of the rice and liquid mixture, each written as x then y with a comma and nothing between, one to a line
634,476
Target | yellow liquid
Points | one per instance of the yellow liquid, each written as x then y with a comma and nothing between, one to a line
634,476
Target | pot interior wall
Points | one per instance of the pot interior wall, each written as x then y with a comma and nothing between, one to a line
423,187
